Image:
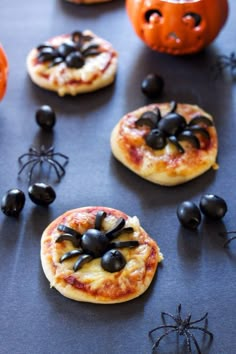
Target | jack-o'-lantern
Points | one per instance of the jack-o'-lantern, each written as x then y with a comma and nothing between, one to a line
3,72
177,26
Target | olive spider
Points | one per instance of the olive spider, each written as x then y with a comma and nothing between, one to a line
173,128
72,52
183,327
36,157
96,243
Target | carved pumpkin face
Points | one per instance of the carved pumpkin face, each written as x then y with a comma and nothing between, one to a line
3,72
177,26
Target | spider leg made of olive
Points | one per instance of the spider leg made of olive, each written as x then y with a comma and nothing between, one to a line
173,128
95,243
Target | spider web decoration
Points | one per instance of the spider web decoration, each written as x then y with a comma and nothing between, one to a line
223,63
182,327
34,158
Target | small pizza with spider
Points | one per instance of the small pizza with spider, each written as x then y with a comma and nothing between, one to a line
99,255
166,143
72,64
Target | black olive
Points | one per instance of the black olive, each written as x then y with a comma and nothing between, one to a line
189,214
94,242
172,124
113,261
74,60
152,85
47,53
66,48
156,139
13,202
213,206
41,194
188,136
45,117
148,118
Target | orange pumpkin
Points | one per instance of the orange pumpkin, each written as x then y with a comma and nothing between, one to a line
177,26
3,72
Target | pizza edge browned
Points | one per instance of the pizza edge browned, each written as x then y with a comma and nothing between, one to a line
164,172
67,285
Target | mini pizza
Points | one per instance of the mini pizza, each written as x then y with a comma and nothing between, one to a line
99,255
73,63
166,143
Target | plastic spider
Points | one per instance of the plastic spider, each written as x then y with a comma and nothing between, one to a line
183,327
72,52
173,128
36,157
95,243
223,62
230,239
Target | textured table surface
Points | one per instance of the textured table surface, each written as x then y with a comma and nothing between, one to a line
196,272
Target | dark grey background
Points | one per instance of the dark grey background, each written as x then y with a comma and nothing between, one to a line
196,272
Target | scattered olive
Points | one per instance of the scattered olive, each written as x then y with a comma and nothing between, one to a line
213,206
113,261
13,202
45,117
189,214
152,85
41,194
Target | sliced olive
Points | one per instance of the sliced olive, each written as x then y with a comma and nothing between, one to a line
45,117
201,120
70,254
190,138
122,244
94,242
56,61
68,230
148,118
189,214
66,48
47,53
114,232
152,85
41,194
68,237
99,219
212,206
85,258
93,49
156,139
173,140
173,107
199,130
113,261
172,124
75,60
13,202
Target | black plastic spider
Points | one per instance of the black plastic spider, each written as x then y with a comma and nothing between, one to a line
36,157
182,327
173,128
225,62
95,243
227,242
73,52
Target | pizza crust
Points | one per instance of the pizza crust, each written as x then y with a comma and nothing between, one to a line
99,71
167,166
92,283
